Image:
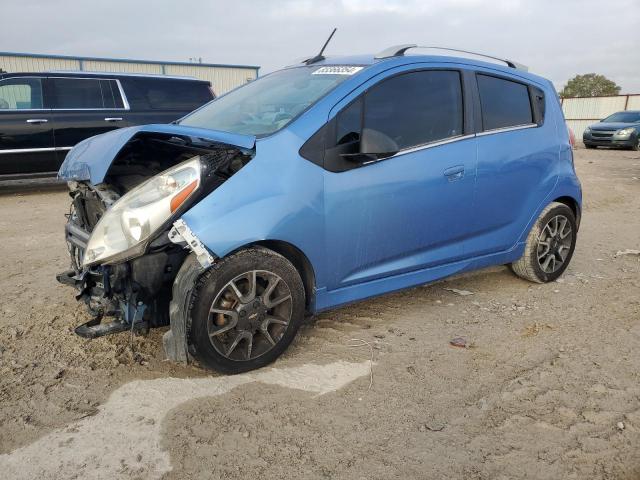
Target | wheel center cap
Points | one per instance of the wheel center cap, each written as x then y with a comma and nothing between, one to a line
251,314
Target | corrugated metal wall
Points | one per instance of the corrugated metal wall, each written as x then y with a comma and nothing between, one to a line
36,64
122,67
222,77
584,111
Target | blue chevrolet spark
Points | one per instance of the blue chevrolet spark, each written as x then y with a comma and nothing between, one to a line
318,185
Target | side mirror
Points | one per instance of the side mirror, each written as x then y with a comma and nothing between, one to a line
374,145
377,143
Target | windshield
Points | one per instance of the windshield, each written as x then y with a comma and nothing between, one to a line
623,117
271,102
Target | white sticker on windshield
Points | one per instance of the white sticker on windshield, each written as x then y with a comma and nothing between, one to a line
337,70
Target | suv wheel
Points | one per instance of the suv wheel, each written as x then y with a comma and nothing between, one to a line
550,245
245,311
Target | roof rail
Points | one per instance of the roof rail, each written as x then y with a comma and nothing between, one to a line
399,50
123,74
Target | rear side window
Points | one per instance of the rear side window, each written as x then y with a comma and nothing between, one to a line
21,94
84,93
74,93
167,94
504,103
416,108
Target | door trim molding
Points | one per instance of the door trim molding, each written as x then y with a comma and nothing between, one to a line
35,150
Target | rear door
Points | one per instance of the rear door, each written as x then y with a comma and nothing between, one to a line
26,128
517,150
84,107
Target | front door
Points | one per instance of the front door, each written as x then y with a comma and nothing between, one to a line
26,128
413,209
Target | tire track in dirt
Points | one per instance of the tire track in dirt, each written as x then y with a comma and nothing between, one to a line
125,433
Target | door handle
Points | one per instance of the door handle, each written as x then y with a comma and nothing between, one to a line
37,120
454,173
113,119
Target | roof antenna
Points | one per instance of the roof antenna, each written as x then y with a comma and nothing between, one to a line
319,57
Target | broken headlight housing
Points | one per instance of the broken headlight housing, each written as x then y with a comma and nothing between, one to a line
127,227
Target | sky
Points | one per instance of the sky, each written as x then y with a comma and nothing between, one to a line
556,39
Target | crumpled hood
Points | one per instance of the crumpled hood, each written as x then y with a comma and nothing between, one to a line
91,158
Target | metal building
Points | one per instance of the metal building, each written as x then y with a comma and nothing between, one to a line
222,77
580,112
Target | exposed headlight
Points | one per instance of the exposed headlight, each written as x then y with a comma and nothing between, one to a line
625,132
125,229
587,130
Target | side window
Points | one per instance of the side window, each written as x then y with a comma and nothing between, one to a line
21,94
74,93
177,94
504,103
415,108
401,112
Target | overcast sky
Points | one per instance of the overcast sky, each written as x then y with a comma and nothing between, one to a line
556,39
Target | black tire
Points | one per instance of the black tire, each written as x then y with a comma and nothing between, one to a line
636,146
590,147
214,283
530,266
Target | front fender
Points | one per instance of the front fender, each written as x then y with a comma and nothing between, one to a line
271,198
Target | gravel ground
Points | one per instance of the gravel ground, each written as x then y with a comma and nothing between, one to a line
547,388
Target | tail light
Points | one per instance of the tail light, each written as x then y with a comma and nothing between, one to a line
572,137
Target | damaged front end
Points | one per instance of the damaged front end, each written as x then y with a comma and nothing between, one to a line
128,189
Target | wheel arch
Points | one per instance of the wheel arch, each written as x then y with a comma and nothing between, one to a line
573,204
299,260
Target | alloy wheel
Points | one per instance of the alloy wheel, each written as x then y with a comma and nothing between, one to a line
249,315
554,244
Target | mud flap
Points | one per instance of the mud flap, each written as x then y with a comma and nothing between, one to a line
175,340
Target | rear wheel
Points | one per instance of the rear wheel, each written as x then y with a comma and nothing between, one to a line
245,311
550,245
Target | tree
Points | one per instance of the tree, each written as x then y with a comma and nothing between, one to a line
589,85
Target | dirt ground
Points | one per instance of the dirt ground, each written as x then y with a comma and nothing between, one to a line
549,387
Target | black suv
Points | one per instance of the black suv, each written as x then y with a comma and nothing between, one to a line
43,115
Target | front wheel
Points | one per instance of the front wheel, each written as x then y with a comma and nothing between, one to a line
550,245
245,311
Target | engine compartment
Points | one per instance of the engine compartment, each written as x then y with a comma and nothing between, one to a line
137,292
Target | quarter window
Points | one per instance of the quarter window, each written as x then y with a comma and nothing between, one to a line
349,124
416,108
111,94
504,103
21,94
